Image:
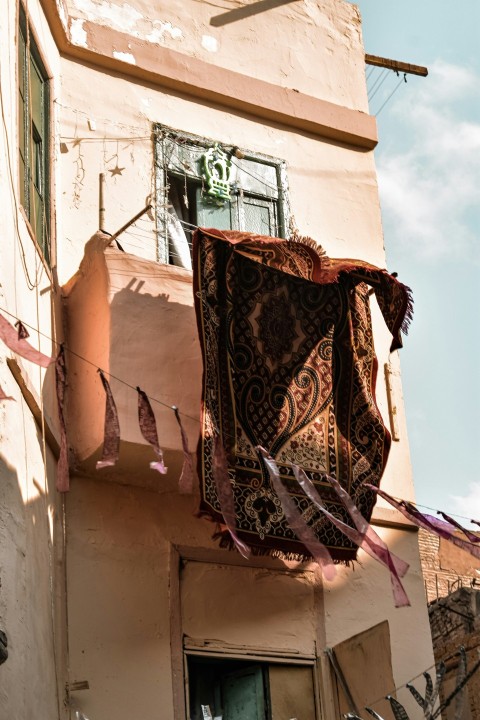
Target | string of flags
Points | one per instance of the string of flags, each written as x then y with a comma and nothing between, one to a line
428,701
15,340
360,532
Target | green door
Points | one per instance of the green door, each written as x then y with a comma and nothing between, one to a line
243,694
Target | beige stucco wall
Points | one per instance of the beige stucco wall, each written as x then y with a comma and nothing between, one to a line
311,46
31,602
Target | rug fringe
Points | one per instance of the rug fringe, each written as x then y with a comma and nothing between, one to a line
408,312
308,241
226,543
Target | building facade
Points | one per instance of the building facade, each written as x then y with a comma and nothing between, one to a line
115,599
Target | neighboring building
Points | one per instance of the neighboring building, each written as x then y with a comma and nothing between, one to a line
455,622
115,600
446,568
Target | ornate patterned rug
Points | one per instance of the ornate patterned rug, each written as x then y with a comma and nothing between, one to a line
289,365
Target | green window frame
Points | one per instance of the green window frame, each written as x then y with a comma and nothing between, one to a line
258,190
33,135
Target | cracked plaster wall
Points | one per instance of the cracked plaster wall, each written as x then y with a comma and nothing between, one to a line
313,47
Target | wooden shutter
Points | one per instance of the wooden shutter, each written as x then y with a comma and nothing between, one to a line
365,661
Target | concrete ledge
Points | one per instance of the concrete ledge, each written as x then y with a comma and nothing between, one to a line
123,53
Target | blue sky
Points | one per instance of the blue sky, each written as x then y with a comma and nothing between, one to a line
428,163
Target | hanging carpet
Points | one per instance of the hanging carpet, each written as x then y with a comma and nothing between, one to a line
289,365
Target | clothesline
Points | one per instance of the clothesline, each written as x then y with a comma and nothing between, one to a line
156,400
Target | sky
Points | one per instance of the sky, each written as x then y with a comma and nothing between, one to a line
428,164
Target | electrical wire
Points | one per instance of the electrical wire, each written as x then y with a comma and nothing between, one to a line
377,80
370,97
390,96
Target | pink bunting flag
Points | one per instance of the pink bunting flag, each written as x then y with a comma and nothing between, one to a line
225,495
428,522
295,520
362,535
17,343
3,396
63,479
148,428
185,482
111,437
468,534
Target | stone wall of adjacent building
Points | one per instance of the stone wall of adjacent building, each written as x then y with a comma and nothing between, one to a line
455,622
445,567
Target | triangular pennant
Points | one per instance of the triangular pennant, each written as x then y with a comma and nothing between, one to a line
111,436
225,496
19,345
63,478
148,428
185,482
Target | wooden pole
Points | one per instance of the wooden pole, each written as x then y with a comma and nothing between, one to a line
396,65
130,222
101,201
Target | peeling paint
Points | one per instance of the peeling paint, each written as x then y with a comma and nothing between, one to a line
124,57
209,43
62,13
120,17
161,28
78,34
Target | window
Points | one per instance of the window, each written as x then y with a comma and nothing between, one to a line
33,140
241,689
200,182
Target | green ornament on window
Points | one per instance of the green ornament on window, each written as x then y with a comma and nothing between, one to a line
217,166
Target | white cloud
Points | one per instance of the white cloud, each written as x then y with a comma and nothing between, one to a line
468,506
430,193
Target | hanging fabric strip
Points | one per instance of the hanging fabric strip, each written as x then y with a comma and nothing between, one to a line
111,435
185,482
19,345
63,479
295,520
148,428
225,495
468,534
22,330
372,538
4,396
364,535
428,522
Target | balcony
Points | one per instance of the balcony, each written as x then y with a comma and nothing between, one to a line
134,319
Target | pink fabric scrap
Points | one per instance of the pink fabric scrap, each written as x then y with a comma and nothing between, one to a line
148,428
11,338
63,478
468,534
362,535
428,522
185,482
111,438
225,495
295,520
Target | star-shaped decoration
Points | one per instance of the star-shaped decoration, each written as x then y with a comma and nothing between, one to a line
116,170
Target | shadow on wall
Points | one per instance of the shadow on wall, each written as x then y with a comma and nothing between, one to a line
27,621
154,344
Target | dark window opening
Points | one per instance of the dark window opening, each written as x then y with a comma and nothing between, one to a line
254,200
233,689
